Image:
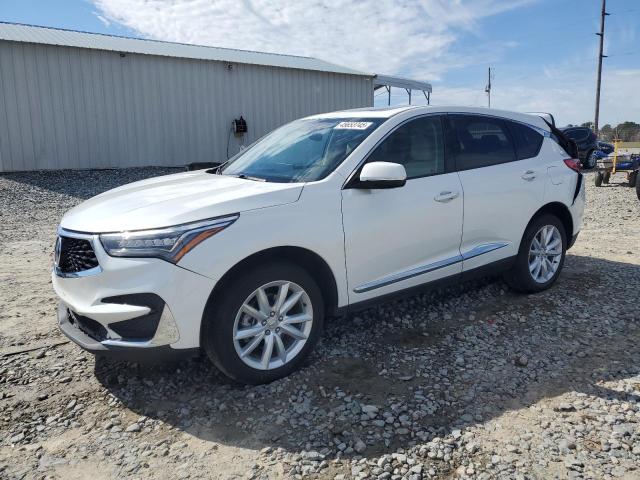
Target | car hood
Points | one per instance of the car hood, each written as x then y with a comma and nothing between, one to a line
175,199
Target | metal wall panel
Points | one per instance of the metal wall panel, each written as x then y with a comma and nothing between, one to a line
66,107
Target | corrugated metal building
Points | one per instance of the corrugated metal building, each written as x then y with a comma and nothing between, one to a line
79,100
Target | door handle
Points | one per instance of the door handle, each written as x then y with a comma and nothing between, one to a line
529,175
447,196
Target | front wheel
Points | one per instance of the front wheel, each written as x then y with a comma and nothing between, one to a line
591,160
541,256
606,177
264,323
633,179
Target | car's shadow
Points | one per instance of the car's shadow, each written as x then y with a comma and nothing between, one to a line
445,360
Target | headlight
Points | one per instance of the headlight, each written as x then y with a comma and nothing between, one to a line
170,243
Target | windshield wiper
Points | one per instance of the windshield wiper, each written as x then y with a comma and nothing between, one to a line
248,177
219,168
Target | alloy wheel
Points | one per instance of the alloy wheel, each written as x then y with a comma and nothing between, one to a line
273,325
545,254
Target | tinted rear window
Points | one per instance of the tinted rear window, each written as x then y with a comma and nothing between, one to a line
527,140
481,141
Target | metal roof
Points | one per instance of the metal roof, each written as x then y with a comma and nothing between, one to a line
71,38
389,81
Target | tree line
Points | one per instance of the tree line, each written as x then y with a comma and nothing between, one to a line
625,131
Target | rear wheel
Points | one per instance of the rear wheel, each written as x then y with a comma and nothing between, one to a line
264,323
638,189
598,179
633,179
606,177
591,160
541,256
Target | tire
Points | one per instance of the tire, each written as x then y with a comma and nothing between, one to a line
633,179
223,317
638,189
590,160
606,177
520,278
598,179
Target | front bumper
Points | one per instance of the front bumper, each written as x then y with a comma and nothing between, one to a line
119,350
133,308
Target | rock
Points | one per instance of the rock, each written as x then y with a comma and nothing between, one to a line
522,361
565,407
359,446
134,427
312,456
370,409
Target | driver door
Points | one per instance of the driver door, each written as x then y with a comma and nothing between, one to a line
397,238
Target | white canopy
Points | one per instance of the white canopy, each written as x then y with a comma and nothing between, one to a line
388,81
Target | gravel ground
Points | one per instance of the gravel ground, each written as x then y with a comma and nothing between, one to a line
471,382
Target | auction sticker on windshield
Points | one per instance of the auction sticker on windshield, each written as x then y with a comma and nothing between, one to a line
353,125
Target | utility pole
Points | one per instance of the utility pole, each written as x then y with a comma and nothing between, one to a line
603,14
487,89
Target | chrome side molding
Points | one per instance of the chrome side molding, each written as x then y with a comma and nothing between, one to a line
482,249
414,272
430,267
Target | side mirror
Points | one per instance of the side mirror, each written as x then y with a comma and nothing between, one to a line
382,175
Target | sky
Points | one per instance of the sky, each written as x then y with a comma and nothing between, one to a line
543,53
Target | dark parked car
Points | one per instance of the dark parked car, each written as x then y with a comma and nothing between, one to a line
605,147
586,141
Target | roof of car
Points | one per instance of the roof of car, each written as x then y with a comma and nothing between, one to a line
388,112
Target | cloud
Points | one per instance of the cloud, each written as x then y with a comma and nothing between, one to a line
104,21
377,36
411,38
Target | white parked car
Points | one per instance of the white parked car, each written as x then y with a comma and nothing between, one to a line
324,215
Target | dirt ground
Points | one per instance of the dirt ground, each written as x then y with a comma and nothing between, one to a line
471,382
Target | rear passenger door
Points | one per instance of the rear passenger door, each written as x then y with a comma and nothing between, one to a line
503,183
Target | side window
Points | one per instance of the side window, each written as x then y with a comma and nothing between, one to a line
418,145
527,140
481,142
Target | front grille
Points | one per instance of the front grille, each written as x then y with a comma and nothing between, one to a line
75,255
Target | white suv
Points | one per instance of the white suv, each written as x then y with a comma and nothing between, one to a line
324,215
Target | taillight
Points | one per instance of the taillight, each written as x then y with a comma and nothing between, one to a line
573,164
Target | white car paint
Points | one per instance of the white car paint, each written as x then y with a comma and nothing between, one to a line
387,234
390,238
175,199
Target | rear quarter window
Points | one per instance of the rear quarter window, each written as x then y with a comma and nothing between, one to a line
526,139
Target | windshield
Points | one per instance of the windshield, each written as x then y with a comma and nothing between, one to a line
302,151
